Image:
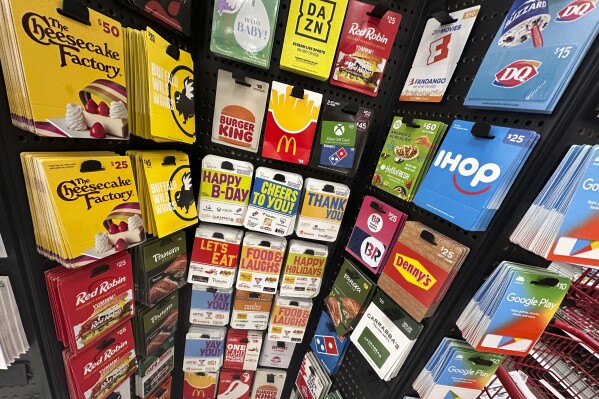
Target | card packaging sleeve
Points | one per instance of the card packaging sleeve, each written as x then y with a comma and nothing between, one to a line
260,263
251,310
276,354
289,319
304,268
210,306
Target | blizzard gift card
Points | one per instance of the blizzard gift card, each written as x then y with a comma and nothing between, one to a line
439,51
350,291
276,354
244,30
364,48
261,262
238,111
290,123
311,36
242,350
200,385
327,345
251,310
274,202
341,138
210,306
224,190
289,318
235,384
204,348
534,55
323,206
304,268
268,384
377,227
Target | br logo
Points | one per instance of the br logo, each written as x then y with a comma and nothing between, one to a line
339,129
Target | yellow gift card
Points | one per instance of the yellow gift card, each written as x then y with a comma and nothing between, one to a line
84,206
311,36
74,73
171,91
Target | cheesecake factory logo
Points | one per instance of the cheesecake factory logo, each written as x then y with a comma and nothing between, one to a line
180,193
181,95
72,50
315,18
95,193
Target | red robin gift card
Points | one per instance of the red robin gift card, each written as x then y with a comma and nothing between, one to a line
366,42
291,123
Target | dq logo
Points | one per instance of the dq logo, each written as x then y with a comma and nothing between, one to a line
575,10
439,50
517,73
467,167
288,142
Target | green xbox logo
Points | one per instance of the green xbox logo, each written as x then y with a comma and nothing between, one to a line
339,129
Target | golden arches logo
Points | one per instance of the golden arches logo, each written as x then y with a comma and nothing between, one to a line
196,393
288,142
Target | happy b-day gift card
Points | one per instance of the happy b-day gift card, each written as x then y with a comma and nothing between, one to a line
290,123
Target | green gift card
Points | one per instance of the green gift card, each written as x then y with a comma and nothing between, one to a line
338,133
375,348
244,30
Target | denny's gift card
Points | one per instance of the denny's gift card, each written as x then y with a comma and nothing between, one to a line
224,190
364,49
311,36
238,111
260,264
291,123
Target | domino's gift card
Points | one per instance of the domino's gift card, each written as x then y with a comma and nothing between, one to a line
328,347
340,157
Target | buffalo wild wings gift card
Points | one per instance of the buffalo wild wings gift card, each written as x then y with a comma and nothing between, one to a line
291,123
364,48
88,303
261,263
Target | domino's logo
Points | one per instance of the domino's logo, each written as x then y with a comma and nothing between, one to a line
575,10
339,155
516,73
469,176
326,345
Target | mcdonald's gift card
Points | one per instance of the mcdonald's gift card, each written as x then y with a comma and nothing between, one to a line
290,124
200,385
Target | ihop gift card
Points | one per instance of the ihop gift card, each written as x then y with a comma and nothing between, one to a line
534,55
471,175
377,227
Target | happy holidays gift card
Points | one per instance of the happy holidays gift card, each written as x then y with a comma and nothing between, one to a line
304,268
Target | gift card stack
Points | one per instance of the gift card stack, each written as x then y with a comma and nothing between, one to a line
268,383
304,268
88,303
312,382
200,385
15,343
159,267
98,370
276,354
210,306
561,224
289,319
161,87
153,326
65,188
176,16
165,191
385,336
437,56
344,128
164,390
234,384
473,172
534,55
406,156
251,310
351,291
327,346
224,190
261,263
155,369
377,228
242,351
512,308
456,371
422,266
204,349
334,395
59,85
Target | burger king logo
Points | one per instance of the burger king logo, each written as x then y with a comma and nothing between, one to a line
266,392
236,125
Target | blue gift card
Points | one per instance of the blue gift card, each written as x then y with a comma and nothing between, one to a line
534,55
327,345
338,156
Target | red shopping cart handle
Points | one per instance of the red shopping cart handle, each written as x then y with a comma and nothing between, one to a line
508,383
585,339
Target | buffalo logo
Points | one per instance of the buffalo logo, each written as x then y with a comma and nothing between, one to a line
575,10
182,95
180,193
516,73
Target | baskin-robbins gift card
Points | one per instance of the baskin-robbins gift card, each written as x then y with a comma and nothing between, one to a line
224,190
364,48
376,228
290,123
274,202
260,263
534,55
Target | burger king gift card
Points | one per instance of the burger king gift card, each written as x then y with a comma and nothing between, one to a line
366,42
238,111
291,123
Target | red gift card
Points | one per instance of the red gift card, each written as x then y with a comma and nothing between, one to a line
235,384
364,48
242,350
98,370
163,391
291,123
200,385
